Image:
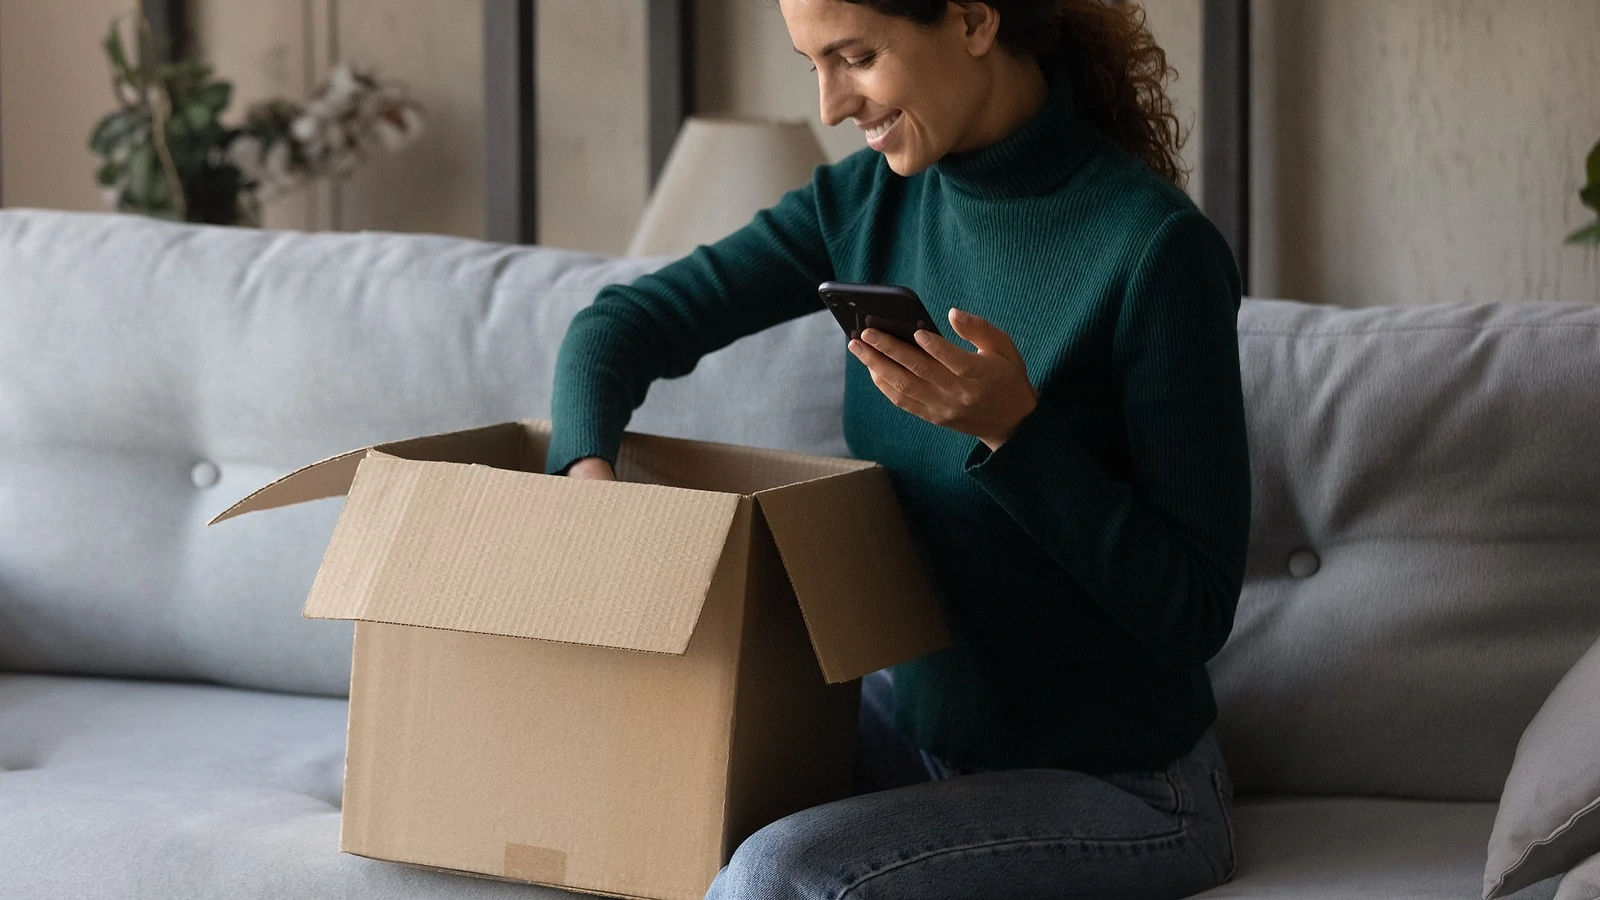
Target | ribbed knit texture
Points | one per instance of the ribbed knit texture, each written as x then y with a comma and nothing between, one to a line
1091,565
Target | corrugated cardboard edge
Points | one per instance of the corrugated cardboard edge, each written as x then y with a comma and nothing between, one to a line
502,878
669,589
823,466
514,637
904,611
762,620
352,830
331,477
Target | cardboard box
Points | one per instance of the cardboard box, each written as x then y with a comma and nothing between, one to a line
603,686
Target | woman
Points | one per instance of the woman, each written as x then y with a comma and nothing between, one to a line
1080,477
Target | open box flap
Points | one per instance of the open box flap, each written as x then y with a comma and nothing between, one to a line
481,549
499,445
867,597
716,466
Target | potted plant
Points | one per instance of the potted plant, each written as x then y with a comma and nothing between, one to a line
166,152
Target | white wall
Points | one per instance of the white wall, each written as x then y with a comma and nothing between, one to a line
1417,151
47,109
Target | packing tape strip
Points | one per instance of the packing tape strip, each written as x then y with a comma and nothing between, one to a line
540,864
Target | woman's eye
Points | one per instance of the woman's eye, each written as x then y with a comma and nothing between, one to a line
861,63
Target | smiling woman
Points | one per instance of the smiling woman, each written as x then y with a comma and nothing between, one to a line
1111,58
916,89
1076,466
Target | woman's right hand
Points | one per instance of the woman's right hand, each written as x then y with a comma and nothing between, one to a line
592,467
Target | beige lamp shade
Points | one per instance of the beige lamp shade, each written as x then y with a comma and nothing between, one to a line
720,173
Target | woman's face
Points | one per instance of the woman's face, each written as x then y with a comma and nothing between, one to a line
915,90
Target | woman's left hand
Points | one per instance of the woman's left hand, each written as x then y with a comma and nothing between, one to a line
985,394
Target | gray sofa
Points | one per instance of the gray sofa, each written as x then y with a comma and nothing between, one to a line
1422,569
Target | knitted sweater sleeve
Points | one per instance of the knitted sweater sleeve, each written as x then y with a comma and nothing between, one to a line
1163,551
662,324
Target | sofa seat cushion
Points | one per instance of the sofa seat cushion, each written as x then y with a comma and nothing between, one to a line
184,790
130,789
123,789
1345,848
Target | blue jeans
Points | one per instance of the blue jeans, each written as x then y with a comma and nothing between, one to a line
919,830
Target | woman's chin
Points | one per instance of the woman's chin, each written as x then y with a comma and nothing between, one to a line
905,163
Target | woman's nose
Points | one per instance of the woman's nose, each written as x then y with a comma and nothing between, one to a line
838,101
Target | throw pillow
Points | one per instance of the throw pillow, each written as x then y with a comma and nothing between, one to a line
1582,883
1549,818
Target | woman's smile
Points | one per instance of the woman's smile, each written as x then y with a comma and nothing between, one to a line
878,135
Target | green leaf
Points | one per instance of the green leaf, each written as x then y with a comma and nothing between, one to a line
189,156
140,174
114,129
109,175
1591,196
1594,166
147,184
119,57
200,111
1589,234
213,97
198,115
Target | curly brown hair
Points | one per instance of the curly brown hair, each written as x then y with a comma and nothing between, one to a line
1118,72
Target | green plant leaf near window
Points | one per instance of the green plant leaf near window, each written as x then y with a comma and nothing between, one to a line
165,151
167,130
1590,196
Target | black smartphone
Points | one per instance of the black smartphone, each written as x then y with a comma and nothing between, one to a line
889,308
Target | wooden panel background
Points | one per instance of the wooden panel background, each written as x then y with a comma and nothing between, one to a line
592,95
436,48
1419,151
54,85
1407,151
594,157
271,50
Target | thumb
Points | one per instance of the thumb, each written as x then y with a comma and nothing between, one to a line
982,333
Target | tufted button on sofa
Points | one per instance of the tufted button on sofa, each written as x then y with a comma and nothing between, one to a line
1304,563
1422,567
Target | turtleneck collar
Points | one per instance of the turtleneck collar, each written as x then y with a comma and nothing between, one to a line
1033,159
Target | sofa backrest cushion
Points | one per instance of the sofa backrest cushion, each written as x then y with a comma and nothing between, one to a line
152,373
1425,552
1423,565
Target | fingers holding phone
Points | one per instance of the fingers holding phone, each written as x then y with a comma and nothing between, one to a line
985,392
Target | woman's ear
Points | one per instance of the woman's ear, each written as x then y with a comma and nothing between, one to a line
980,24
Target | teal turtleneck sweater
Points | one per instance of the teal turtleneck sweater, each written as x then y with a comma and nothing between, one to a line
1091,565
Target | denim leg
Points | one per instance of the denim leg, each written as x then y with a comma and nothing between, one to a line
1022,834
